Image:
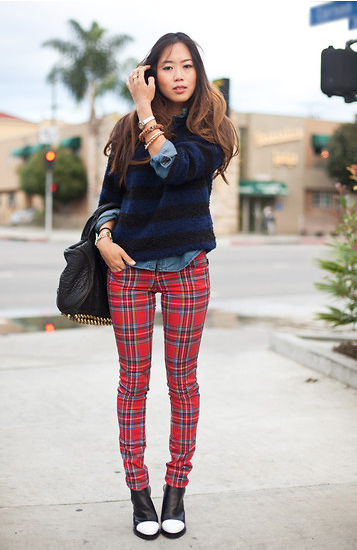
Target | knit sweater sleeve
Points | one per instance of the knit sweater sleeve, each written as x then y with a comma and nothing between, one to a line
111,190
196,158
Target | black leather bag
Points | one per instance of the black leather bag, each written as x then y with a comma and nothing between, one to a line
82,291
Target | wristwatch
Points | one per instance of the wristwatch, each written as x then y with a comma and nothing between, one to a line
102,234
143,123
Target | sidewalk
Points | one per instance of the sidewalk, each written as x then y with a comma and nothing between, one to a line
30,233
38,234
275,467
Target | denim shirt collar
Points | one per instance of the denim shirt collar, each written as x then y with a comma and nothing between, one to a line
183,114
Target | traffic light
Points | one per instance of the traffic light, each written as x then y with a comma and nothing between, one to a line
339,72
50,160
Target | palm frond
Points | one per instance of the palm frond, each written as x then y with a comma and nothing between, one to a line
62,46
88,66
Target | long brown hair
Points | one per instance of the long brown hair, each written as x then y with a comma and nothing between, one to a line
206,114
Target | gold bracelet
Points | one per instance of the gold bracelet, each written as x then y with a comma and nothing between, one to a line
149,130
153,139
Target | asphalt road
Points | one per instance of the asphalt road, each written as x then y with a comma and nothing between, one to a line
29,273
264,270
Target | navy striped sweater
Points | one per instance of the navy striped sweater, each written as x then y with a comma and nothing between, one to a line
160,218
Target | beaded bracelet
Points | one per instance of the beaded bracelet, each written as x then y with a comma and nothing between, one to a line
148,130
158,134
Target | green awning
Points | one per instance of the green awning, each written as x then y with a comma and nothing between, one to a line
320,141
71,143
254,188
27,151
21,152
36,148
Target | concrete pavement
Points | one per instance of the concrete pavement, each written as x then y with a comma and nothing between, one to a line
275,466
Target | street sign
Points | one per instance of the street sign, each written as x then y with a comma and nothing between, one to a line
48,135
331,11
352,23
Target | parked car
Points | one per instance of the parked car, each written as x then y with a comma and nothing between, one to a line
23,217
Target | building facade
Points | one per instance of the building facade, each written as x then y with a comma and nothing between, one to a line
278,184
19,139
283,175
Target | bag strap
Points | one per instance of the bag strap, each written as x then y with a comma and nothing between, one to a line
88,232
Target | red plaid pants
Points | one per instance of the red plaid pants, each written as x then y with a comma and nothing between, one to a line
184,302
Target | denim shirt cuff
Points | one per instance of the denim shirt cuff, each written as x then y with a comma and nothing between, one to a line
163,160
106,217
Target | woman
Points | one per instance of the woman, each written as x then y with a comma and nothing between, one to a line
162,159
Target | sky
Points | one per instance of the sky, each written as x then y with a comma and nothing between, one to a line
268,50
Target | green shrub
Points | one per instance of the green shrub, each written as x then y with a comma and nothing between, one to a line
68,175
341,266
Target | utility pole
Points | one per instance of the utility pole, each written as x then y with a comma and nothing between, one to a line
49,164
49,135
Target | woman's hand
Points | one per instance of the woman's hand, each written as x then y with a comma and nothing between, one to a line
142,93
113,255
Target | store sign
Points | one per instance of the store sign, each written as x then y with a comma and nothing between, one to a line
286,135
267,188
285,158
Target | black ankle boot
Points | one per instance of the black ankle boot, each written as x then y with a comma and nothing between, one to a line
173,513
146,522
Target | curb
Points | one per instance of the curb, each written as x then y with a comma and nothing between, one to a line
316,356
60,236
23,238
31,234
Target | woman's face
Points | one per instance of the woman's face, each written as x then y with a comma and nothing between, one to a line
176,76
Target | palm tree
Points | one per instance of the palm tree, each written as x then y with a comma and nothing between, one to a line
88,65
88,68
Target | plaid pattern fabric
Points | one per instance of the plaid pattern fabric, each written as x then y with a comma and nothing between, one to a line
184,302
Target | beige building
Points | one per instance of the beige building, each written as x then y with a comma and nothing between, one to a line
279,173
282,173
19,139
12,132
